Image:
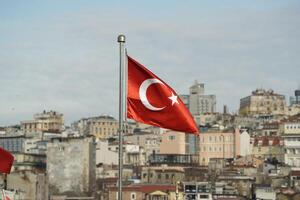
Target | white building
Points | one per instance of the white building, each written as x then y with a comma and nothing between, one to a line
148,140
265,193
133,154
245,144
104,155
291,137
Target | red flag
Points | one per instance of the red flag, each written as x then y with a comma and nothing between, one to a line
6,161
4,196
151,101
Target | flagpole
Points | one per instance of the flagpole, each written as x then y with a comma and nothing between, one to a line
122,111
5,181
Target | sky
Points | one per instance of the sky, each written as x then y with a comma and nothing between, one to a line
63,54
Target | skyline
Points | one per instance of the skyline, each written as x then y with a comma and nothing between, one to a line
61,56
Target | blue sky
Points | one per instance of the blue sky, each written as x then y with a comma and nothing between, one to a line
63,55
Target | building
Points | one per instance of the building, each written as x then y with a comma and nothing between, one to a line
29,184
35,146
146,192
210,191
104,155
219,144
133,154
296,99
148,140
51,121
245,148
205,119
71,166
103,127
30,162
173,142
199,102
265,192
262,102
268,147
291,136
268,129
174,159
162,174
12,142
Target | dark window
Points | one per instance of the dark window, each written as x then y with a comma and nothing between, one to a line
167,176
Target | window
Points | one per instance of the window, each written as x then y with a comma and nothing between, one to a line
167,176
172,137
204,196
133,196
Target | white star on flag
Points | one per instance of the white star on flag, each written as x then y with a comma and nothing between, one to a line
173,99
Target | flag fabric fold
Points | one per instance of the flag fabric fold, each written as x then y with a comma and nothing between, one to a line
151,101
6,161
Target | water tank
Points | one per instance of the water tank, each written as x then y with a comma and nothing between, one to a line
297,93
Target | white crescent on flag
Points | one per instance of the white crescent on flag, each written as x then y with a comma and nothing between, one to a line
143,90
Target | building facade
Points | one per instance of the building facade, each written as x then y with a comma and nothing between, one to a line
291,136
199,102
219,144
268,147
12,142
149,141
51,121
71,166
29,184
173,142
103,127
262,102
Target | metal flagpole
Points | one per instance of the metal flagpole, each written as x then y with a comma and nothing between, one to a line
122,111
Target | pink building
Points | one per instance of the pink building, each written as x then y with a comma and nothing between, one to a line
173,143
219,144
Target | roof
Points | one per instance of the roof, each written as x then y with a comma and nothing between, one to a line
265,141
295,173
146,188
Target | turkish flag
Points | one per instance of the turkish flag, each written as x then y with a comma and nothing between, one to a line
151,101
6,161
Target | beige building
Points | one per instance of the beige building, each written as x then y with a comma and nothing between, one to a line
146,192
29,184
217,144
173,143
103,127
262,102
51,121
268,147
162,174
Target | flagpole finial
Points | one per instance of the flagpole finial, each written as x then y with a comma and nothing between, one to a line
121,38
